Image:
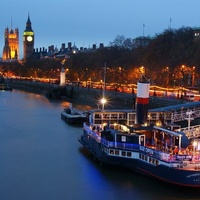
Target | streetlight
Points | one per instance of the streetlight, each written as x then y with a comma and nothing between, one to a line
193,75
103,102
182,71
167,69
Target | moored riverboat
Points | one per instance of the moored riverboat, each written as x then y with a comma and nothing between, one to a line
162,152
154,151
5,87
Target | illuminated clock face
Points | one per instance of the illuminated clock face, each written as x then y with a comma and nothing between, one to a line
29,38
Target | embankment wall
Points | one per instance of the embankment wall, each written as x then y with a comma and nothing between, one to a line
89,96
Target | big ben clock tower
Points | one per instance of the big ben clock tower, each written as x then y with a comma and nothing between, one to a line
28,40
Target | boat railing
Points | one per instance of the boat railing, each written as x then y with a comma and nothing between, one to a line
119,145
113,144
181,115
192,131
164,156
178,159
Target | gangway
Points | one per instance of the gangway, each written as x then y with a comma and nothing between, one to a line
192,133
176,113
181,115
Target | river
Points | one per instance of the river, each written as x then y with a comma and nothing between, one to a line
41,159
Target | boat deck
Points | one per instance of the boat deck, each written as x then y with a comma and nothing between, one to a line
184,158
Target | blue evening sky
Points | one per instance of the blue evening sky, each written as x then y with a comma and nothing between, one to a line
87,22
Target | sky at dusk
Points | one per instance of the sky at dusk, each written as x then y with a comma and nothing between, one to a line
88,22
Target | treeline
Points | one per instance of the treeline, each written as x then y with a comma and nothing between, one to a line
170,58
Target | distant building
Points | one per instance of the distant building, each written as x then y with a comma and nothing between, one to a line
28,40
11,46
196,34
63,53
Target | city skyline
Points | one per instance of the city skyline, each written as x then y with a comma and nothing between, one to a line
89,22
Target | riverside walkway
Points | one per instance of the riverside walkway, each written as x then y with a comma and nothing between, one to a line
92,96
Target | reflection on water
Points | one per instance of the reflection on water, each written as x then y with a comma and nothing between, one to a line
65,104
132,184
41,159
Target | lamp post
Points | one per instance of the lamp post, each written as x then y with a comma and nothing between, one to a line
167,69
103,100
182,72
193,75
154,88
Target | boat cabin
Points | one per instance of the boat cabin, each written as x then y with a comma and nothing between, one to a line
164,139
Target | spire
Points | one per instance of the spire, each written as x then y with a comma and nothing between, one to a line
11,22
28,21
28,25
11,29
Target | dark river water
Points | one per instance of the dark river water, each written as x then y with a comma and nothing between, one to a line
41,159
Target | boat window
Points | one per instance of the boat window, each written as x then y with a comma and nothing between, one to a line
131,116
157,162
114,116
167,115
153,115
122,116
111,151
116,152
129,154
97,116
140,156
145,158
106,116
123,153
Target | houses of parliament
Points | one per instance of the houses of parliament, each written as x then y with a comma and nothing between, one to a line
11,46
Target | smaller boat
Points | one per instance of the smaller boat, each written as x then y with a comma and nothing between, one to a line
5,87
73,116
5,84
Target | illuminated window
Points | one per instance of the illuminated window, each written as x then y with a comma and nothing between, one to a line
111,151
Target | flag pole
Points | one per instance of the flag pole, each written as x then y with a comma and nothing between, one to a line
143,29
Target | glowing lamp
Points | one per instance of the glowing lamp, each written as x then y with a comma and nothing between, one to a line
194,144
103,100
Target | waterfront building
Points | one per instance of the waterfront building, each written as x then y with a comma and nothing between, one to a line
64,52
197,33
11,47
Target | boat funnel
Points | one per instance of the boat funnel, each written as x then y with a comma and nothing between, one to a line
142,100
